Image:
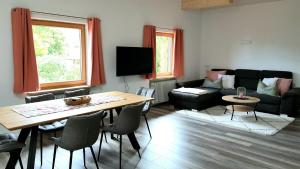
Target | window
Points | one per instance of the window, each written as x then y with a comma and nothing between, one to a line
164,53
60,53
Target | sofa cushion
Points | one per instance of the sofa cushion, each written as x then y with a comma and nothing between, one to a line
266,99
279,74
228,71
225,92
269,108
247,78
214,75
217,84
228,81
269,90
284,85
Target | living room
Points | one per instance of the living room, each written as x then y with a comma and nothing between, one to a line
224,35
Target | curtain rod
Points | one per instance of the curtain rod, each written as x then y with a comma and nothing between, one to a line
165,28
69,16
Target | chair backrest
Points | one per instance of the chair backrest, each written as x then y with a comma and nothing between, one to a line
79,92
39,98
8,142
81,131
129,119
147,92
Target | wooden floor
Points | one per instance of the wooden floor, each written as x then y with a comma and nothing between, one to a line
183,143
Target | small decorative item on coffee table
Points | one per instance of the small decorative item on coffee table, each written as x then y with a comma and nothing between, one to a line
241,104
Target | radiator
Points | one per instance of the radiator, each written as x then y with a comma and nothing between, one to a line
162,88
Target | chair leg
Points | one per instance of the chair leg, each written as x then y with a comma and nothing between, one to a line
120,163
94,157
105,137
100,145
71,158
41,146
147,125
139,153
54,155
84,157
102,122
20,161
104,133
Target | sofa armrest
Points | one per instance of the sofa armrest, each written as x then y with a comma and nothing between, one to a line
289,102
191,84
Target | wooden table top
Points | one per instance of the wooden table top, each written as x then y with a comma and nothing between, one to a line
13,121
249,100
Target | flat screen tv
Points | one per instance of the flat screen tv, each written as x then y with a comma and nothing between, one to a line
134,61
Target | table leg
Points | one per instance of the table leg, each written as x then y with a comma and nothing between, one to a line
14,156
225,110
32,148
135,144
111,121
232,112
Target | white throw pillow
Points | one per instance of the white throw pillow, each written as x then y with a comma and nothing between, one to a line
228,81
270,81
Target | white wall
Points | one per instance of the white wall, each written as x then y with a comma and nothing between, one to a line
257,36
122,24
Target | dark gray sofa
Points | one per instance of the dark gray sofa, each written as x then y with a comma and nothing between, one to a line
285,104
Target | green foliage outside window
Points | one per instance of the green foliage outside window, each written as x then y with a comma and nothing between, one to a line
163,53
58,54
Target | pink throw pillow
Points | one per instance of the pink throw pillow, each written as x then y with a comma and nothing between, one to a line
213,75
283,85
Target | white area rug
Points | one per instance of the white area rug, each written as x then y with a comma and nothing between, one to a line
267,124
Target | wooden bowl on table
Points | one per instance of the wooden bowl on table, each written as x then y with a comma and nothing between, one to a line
74,101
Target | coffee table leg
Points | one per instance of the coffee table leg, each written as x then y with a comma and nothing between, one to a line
254,112
225,110
232,112
255,115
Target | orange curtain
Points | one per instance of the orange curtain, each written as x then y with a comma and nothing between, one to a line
25,67
179,54
95,41
150,42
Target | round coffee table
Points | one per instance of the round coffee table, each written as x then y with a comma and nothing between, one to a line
247,104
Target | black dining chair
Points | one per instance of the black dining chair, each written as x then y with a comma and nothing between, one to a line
48,128
9,143
147,92
78,92
80,132
127,122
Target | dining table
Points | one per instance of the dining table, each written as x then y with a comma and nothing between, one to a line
15,118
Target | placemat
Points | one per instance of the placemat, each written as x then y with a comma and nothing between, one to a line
56,106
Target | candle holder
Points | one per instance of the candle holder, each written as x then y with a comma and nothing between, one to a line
241,92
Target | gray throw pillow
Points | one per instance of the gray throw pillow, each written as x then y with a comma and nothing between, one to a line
217,84
268,90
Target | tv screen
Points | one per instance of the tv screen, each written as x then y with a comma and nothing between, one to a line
134,61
